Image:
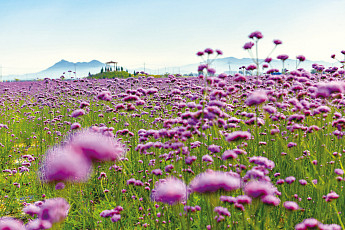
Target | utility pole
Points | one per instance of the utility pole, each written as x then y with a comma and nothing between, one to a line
229,68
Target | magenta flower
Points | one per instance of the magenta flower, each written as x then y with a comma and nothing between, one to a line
219,52
200,53
54,210
270,200
78,113
97,146
170,191
208,51
256,98
7,223
222,211
283,57
301,58
75,125
105,96
211,181
238,135
256,34
257,189
268,60
291,205
63,163
248,45
277,42
229,154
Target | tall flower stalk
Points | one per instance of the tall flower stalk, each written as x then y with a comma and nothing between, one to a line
256,36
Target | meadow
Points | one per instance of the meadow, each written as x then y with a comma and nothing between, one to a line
210,152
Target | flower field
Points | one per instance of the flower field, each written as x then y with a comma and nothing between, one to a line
207,152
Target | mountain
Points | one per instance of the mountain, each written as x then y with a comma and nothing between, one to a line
224,65
63,67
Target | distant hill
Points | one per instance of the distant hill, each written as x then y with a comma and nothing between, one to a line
222,65
65,68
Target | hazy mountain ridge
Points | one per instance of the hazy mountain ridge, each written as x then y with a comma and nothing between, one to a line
221,65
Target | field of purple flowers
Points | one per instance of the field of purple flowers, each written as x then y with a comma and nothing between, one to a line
208,152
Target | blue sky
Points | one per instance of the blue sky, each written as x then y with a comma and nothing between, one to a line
36,34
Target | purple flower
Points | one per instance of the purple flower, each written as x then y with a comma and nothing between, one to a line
59,186
208,51
115,217
339,171
75,125
303,182
207,158
78,113
222,211
211,181
170,191
97,146
229,154
283,57
219,52
7,223
248,45
270,200
54,210
257,189
200,53
105,96
291,205
157,172
268,60
290,179
300,58
256,98
277,42
214,148
256,34
238,135
331,196
63,163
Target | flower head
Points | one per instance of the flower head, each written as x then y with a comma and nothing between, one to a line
277,42
170,191
211,181
256,34
283,57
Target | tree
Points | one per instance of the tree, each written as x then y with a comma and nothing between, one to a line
102,70
121,68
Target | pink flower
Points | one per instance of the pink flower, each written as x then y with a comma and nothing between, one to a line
237,135
277,42
300,58
271,200
170,191
7,223
78,113
257,189
97,146
63,163
256,98
211,181
291,205
256,34
248,45
283,57
54,210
